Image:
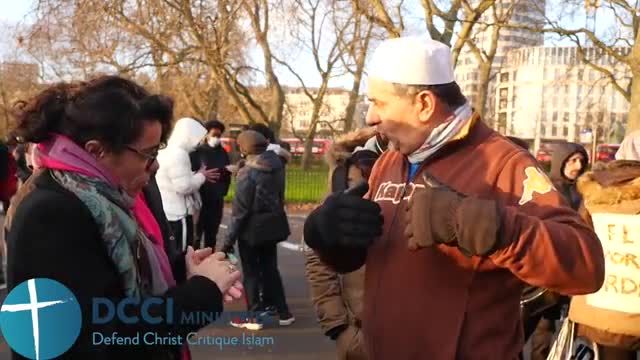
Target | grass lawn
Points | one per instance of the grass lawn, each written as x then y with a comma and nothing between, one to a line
302,186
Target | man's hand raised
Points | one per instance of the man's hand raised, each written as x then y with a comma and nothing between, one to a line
345,220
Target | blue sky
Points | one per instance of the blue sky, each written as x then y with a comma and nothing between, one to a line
14,10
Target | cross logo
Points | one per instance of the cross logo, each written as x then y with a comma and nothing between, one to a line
40,319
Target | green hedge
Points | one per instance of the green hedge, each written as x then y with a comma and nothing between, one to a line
308,186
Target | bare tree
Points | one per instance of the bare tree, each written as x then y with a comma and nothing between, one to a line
356,44
258,12
487,36
320,31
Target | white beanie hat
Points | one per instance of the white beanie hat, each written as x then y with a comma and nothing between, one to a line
412,61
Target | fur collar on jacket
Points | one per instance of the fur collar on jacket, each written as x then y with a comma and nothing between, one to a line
344,145
611,183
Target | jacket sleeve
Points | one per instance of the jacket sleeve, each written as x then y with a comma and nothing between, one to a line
241,207
60,226
227,177
326,293
183,180
549,245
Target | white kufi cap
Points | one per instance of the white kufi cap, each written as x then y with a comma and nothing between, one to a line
412,61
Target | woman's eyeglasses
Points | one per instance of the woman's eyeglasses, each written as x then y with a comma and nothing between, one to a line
150,154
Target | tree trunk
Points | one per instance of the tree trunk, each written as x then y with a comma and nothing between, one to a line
214,102
480,104
354,95
633,122
307,156
276,109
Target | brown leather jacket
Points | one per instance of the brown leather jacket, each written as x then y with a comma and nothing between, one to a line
338,298
612,192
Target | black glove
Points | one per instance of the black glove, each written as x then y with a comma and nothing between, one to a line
345,219
333,333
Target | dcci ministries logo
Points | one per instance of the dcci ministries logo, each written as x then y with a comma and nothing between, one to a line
40,319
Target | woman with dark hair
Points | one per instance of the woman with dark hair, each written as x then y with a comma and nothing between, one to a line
84,223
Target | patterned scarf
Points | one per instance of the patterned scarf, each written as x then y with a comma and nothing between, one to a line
122,236
442,134
130,250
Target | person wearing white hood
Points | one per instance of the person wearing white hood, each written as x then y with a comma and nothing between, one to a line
179,185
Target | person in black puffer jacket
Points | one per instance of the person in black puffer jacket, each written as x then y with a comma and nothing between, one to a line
258,223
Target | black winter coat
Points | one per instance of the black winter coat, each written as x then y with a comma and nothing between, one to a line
260,187
53,235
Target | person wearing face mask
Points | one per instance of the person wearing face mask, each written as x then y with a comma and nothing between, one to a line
454,218
179,184
212,155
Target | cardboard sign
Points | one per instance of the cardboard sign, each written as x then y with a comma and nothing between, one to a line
620,238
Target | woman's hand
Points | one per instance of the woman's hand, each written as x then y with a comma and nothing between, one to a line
195,257
217,269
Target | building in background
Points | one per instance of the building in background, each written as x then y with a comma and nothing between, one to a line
299,109
528,13
550,90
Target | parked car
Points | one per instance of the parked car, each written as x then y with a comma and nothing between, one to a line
545,152
606,152
319,147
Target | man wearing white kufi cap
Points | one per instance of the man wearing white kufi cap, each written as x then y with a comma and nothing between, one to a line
452,220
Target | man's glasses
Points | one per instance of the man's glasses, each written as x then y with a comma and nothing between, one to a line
150,154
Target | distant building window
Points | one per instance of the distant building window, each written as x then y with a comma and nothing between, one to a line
554,130
566,117
504,92
504,77
565,131
555,116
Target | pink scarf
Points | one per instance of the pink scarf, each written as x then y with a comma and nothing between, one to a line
150,226
61,153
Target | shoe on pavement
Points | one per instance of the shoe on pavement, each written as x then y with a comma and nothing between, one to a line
286,319
249,324
269,311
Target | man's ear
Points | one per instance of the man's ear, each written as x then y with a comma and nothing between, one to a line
95,148
426,105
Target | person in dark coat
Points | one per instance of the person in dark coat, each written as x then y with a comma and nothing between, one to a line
80,206
568,162
213,156
258,223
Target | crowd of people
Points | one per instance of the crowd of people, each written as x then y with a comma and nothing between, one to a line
434,229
